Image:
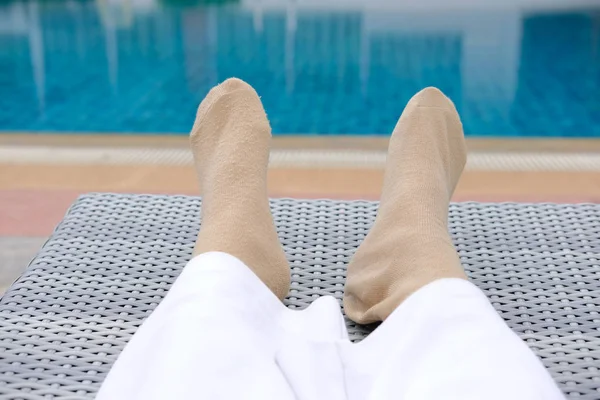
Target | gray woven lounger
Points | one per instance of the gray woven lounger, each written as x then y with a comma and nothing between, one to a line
113,258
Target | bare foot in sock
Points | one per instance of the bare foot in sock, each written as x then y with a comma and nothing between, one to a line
230,141
409,245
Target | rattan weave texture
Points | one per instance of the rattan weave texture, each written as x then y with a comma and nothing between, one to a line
113,258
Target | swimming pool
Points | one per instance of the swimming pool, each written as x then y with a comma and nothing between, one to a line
142,67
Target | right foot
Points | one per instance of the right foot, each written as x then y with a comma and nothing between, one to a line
230,141
409,245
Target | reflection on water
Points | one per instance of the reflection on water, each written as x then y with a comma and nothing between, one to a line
141,67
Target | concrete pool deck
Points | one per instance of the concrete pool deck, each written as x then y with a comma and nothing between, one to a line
41,175
48,171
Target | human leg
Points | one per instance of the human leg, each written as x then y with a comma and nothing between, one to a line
440,336
216,333
230,141
446,341
409,245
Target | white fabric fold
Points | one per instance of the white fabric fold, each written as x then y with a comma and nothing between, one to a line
221,334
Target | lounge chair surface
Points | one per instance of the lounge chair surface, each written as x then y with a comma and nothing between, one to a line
113,258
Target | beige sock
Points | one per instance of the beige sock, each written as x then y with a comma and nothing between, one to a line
230,141
409,245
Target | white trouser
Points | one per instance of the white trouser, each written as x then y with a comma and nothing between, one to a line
221,334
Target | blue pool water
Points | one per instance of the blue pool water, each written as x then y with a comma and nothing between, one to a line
143,67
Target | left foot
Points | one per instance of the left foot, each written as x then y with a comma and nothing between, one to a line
230,141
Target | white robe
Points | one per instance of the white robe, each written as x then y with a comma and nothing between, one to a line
221,334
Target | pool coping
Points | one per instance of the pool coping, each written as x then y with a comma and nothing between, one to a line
298,158
292,142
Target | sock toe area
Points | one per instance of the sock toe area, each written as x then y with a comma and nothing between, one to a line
232,84
227,86
432,97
